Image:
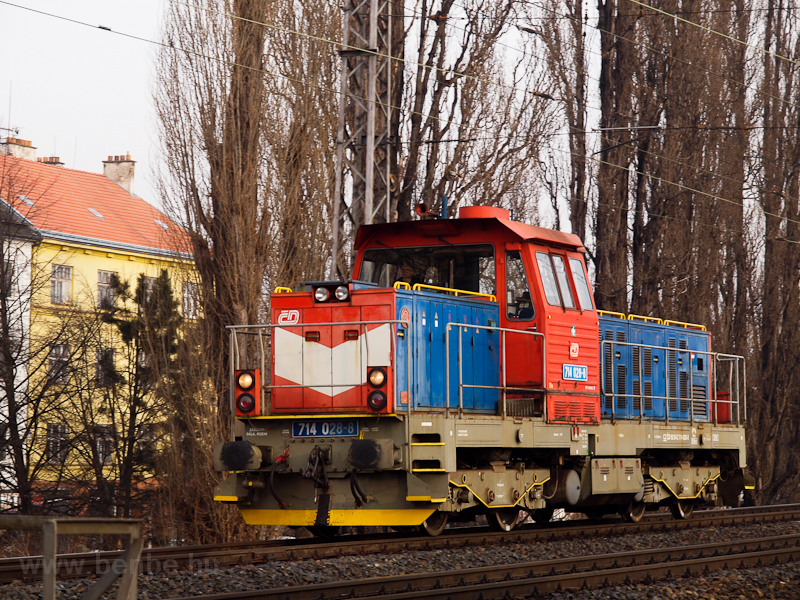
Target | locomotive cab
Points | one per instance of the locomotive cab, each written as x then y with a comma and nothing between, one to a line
465,370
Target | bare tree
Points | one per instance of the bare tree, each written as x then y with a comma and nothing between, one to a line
211,104
475,118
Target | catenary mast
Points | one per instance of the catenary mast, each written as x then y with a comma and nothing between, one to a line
364,146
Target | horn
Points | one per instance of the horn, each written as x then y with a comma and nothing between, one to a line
422,211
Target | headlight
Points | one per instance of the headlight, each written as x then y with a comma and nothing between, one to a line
245,380
376,401
342,293
245,403
321,294
377,377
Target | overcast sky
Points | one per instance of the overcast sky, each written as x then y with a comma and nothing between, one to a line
82,93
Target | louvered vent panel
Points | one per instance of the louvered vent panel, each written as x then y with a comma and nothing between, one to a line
637,401
608,362
636,362
648,362
648,395
684,386
672,376
622,387
700,405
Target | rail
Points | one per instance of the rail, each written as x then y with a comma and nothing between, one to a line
504,388
734,362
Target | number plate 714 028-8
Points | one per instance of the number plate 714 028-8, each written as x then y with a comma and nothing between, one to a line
324,428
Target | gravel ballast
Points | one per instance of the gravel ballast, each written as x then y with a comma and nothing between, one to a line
751,584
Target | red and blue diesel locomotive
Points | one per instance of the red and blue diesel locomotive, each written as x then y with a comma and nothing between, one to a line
464,370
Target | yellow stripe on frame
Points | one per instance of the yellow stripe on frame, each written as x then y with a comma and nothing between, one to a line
226,499
371,517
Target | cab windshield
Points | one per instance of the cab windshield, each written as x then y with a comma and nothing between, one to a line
468,267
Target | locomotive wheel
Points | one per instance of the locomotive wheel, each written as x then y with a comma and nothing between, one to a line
324,531
435,524
542,515
634,512
682,509
504,519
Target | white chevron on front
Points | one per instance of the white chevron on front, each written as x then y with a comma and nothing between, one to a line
331,371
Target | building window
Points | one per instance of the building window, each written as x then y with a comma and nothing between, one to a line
191,295
106,294
104,443
58,369
7,277
149,286
104,370
144,371
4,442
61,284
57,443
147,443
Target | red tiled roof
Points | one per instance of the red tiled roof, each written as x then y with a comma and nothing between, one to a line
61,201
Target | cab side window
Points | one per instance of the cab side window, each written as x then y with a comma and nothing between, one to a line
548,279
581,285
563,281
518,294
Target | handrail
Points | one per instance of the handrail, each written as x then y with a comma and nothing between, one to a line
257,331
282,290
402,285
686,325
645,319
652,319
611,313
424,286
461,385
717,358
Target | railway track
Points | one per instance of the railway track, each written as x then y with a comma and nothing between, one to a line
542,577
164,559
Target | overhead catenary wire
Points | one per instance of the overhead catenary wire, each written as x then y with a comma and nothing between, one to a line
490,82
336,92
715,32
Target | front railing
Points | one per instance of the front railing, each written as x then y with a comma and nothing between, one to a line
736,375
246,339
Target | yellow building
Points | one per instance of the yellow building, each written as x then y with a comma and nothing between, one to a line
93,230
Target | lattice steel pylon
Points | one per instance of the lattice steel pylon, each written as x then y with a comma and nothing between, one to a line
364,148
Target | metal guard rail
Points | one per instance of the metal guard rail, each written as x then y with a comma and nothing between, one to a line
258,330
504,388
733,359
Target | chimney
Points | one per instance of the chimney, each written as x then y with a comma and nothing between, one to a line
18,148
51,160
120,170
